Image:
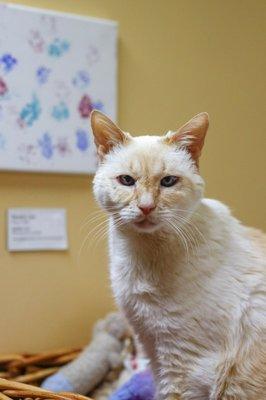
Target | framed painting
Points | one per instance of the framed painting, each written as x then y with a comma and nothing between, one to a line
55,68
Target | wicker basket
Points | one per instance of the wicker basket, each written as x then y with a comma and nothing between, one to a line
19,373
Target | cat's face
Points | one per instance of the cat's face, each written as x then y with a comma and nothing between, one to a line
148,182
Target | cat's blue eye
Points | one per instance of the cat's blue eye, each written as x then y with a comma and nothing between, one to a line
169,180
126,180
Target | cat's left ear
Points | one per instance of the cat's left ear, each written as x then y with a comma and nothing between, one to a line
191,135
106,133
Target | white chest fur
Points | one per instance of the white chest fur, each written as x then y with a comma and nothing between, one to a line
184,308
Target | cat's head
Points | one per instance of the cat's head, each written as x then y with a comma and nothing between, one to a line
149,182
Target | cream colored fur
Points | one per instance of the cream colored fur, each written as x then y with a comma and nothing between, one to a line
189,277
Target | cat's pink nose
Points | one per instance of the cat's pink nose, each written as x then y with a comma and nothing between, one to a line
147,210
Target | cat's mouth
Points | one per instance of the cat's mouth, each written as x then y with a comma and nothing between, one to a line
145,224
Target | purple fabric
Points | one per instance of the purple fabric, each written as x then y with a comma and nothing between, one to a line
139,387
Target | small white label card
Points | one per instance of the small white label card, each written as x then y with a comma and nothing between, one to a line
31,229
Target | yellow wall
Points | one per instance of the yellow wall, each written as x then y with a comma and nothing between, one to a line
176,58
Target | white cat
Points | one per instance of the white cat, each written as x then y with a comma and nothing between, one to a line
189,277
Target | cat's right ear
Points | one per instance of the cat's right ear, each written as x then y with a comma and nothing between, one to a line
106,133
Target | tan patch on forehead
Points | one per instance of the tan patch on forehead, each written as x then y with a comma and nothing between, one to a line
147,165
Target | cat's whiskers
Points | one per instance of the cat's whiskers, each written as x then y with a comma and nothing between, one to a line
92,220
185,229
97,211
100,231
104,231
189,227
87,237
92,217
91,214
180,234
192,239
99,235
99,224
193,225
175,213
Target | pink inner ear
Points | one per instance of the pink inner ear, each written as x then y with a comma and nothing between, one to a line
192,134
191,141
195,151
106,133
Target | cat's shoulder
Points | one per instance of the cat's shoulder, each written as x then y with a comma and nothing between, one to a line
216,207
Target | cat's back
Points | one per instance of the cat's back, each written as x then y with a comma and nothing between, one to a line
258,238
216,210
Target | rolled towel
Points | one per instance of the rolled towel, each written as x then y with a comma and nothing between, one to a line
89,369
